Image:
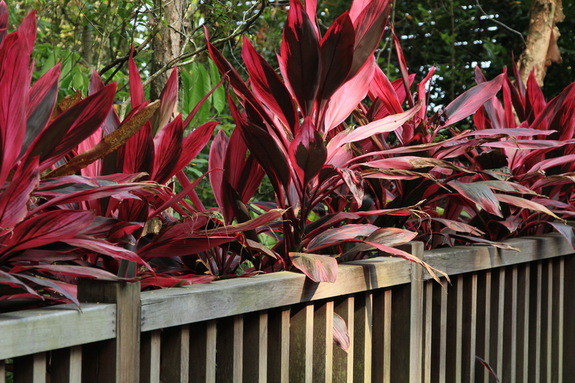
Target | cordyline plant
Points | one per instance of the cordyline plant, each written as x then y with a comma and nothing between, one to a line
73,206
47,230
290,129
538,155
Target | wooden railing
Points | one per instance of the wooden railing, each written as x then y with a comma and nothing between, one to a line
509,309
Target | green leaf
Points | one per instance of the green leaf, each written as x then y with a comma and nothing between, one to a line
219,95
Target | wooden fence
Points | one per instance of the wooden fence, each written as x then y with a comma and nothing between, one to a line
509,309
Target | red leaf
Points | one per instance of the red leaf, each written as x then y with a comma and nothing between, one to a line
41,100
307,153
168,148
340,333
337,235
567,231
267,85
348,96
300,57
369,26
168,102
480,194
14,83
194,143
336,52
3,20
387,124
72,127
14,200
73,271
137,95
105,248
318,268
216,167
46,228
468,102
138,153
525,204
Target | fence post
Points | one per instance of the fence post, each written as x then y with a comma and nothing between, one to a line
117,360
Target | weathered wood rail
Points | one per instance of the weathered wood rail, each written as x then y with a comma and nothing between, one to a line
509,309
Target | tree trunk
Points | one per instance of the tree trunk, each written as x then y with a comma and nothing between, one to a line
541,44
167,43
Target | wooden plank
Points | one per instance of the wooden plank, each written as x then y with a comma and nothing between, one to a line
175,354
488,316
230,349
66,365
538,323
301,344
443,336
55,327
513,324
416,316
560,320
30,368
524,339
387,321
459,331
237,296
323,342
549,333
500,322
278,345
199,350
255,361
464,259
343,361
150,359
401,327
568,333
427,365
473,328
362,338
124,366
211,351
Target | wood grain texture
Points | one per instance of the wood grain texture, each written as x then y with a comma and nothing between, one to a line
301,344
323,342
230,349
124,365
463,259
30,368
175,354
55,327
255,347
278,345
236,296
343,361
66,365
150,360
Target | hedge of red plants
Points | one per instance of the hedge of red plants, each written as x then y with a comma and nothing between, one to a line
359,165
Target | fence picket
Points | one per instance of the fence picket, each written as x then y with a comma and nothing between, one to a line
362,338
343,361
30,368
150,361
255,347
66,365
301,344
278,345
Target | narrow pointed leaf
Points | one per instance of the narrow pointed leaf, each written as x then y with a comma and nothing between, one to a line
109,143
340,333
300,57
480,194
318,268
